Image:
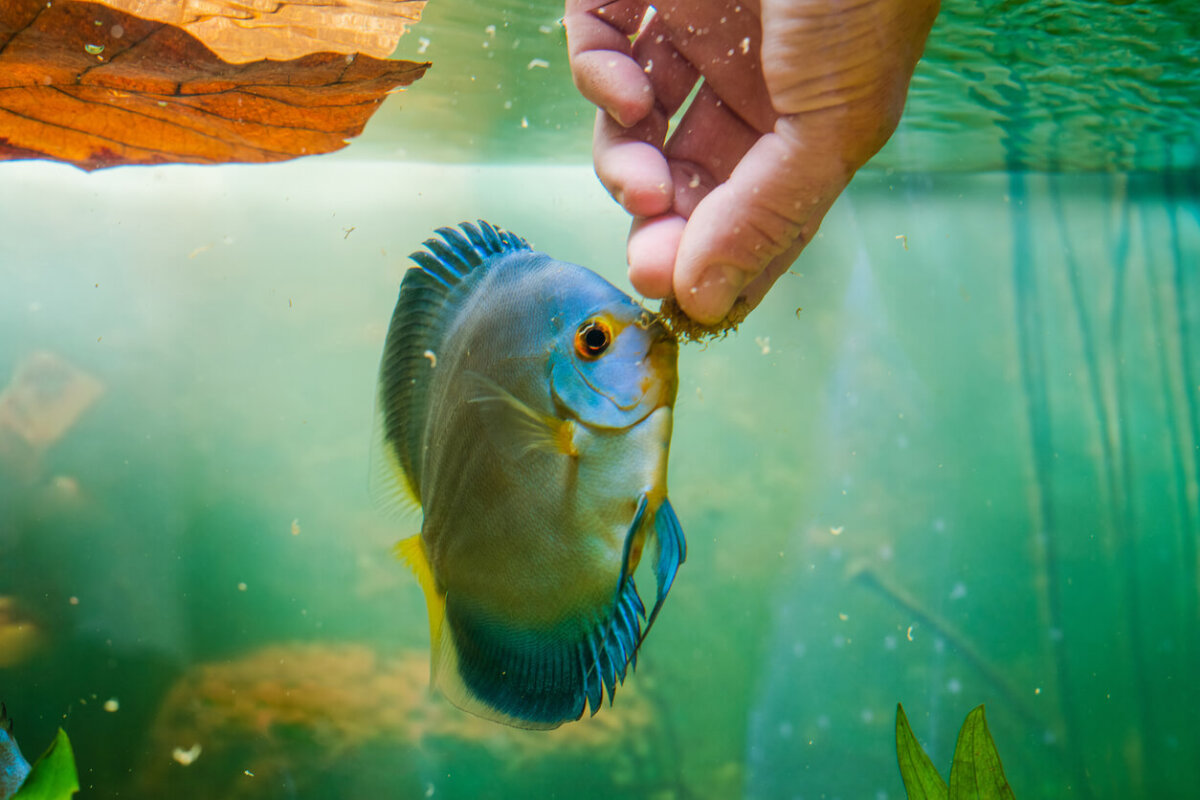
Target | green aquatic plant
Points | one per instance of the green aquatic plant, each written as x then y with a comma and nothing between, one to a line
975,774
53,776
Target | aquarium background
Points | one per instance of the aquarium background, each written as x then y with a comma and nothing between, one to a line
953,459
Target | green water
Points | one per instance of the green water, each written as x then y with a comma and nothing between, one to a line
953,459
1059,85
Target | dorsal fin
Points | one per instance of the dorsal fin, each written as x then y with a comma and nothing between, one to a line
414,336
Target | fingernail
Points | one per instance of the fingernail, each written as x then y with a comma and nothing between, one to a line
714,293
612,112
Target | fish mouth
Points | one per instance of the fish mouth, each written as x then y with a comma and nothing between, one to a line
661,381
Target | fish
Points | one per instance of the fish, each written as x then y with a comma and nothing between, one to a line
525,406
13,766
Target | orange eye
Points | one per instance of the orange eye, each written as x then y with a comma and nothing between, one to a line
592,339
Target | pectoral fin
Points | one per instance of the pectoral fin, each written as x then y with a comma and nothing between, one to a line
670,552
515,428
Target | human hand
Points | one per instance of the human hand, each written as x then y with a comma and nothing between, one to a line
797,95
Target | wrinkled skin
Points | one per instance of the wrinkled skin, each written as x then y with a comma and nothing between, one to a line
781,124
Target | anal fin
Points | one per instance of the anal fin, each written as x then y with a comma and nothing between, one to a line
538,679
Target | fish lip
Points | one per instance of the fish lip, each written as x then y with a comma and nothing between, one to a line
659,361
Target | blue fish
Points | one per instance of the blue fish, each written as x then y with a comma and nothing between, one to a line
526,407
13,766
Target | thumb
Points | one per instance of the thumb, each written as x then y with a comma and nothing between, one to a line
764,214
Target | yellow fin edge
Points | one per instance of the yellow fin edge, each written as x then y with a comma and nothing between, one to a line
412,552
387,481
443,656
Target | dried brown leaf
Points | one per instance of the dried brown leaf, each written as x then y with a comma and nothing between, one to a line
98,87
239,31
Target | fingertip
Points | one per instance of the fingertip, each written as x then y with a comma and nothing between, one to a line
646,199
713,267
633,104
614,82
653,244
635,172
709,297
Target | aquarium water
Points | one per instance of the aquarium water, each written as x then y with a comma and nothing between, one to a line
952,460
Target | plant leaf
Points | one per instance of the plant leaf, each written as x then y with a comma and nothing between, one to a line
98,87
921,780
53,776
976,773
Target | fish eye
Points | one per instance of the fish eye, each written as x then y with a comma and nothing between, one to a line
592,339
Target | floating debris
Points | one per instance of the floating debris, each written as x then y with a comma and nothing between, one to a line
538,62
112,705
186,757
